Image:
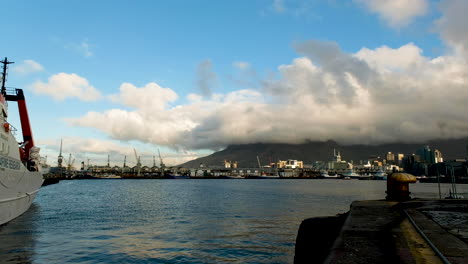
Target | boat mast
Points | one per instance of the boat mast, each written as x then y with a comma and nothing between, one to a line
18,97
5,63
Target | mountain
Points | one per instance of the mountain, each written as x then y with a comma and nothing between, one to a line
246,155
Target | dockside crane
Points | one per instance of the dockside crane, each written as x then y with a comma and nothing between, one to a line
161,163
138,165
60,157
70,162
124,164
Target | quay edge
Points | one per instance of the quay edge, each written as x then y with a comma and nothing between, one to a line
379,231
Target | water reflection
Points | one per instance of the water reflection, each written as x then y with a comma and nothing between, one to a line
189,221
18,238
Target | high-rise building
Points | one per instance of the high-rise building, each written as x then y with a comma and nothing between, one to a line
438,156
426,154
390,157
336,157
399,158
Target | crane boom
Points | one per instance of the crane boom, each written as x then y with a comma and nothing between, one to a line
160,160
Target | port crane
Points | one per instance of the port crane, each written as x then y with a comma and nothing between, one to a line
60,157
161,163
70,162
138,165
124,164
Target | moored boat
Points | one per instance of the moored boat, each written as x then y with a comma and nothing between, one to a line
351,174
20,176
234,177
380,175
177,176
266,176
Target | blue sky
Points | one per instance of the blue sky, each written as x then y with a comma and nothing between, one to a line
214,70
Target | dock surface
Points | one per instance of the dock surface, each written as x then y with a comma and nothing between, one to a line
379,231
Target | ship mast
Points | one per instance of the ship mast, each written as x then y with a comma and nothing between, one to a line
5,63
18,96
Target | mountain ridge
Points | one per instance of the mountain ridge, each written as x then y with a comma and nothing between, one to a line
309,152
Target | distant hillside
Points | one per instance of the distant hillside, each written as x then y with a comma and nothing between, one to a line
246,155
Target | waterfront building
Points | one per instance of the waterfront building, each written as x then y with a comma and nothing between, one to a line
290,164
336,157
430,156
390,158
230,164
399,158
438,156
337,163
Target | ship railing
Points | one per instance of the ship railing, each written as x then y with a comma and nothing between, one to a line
13,130
11,90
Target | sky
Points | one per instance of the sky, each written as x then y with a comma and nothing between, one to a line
191,77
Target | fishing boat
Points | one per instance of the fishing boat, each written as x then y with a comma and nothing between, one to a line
334,176
380,175
268,176
20,176
324,175
176,175
351,174
234,176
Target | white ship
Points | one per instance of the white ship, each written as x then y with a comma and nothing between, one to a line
20,178
380,175
351,174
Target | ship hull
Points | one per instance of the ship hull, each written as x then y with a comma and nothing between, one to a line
17,192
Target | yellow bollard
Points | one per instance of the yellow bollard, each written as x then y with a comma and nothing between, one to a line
398,186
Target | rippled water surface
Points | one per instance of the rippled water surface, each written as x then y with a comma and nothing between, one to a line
178,221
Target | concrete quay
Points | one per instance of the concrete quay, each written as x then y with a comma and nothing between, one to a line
382,231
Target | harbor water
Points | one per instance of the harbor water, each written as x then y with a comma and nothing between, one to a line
179,221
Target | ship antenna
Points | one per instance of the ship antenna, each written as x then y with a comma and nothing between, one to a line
5,63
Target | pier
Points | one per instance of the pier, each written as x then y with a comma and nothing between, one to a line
395,230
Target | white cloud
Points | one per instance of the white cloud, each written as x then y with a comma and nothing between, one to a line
96,150
372,96
278,6
397,13
206,78
241,65
452,25
63,85
387,59
151,95
84,48
27,67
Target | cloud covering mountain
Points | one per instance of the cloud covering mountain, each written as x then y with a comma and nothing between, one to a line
372,96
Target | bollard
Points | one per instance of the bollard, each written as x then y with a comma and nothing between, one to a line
398,186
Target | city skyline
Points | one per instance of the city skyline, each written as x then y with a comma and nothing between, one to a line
192,78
